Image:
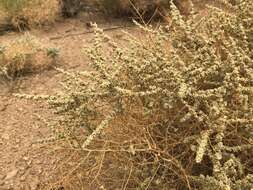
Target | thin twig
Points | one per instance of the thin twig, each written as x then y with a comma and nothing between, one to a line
130,173
152,177
87,32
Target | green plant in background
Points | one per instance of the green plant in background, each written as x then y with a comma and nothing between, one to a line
171,110
53,52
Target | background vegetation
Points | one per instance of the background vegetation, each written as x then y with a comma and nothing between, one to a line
23,14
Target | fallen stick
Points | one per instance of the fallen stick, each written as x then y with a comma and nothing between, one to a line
87,32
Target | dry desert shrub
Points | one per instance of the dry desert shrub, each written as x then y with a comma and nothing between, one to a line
143,8
25,54
173,110
29,13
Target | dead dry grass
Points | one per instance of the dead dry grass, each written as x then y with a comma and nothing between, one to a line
24,54
30,13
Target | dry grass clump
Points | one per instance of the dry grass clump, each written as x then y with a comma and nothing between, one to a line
25,54
173,110
29,13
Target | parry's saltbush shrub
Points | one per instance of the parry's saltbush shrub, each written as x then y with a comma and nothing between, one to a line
173,110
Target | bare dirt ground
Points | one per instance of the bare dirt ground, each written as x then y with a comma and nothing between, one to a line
26,164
